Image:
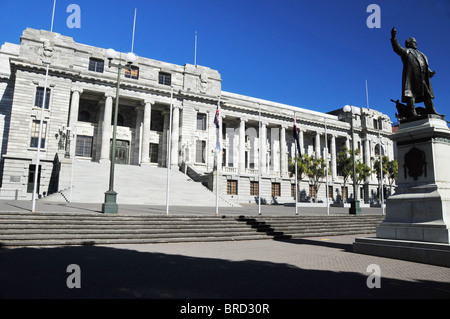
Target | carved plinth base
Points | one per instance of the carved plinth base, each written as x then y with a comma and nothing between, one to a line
419,210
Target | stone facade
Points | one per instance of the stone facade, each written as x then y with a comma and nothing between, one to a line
80,107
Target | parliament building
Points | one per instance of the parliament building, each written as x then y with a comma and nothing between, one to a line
256,135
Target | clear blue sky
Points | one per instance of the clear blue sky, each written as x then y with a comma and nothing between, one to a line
312,54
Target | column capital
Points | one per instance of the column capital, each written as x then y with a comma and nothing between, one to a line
147,100
109,94
284,125
177,105
76,88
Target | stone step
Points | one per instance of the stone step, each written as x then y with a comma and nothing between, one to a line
46,229
144,185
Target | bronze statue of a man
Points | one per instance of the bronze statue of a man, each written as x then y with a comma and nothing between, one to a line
416,85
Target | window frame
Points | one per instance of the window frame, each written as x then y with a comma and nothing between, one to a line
129,73
153,152
34,130
232,187
202,121
83,154
95,67
203,151
254,188
164,78
276,189
39,97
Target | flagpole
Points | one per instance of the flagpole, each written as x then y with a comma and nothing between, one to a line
134,26
169,151
381,170
195,50
218,151
259,159
296,175
367,96
326,161
41,123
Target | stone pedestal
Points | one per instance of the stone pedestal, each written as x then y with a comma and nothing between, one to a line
419,210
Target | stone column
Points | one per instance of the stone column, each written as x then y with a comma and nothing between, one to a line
137,146
242,146
317,145
165,140
301,142
283,151
145,143
73,116
175,134
333,157
263,150
367,152
106,127
347,143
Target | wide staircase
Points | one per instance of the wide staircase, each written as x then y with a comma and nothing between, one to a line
143,185
60,229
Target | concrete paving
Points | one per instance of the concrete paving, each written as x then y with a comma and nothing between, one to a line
321,267
246,209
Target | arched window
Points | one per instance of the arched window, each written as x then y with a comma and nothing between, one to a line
377,150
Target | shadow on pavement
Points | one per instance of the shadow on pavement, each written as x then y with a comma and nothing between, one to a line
108,272
318,242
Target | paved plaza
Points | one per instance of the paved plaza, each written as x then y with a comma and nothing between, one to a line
321,267
245,209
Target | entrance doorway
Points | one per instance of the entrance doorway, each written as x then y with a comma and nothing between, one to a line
122,151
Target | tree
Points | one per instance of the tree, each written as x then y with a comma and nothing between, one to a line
311,167
392,167
362,172
316,170
344,164
301,166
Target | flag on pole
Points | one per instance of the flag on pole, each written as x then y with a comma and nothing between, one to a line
216,118
295,135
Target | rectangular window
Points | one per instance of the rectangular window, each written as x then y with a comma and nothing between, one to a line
133,74
39,99
201,121
254,188
165,78
232,187
200,151
35,134
96,65
330,191
84,146
154,153
224,157
276,189
292,190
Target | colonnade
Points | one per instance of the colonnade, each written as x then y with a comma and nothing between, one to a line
143,118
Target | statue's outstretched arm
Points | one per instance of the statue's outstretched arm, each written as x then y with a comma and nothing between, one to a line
395,45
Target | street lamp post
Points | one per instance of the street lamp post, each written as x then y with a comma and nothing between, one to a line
110,205
355,208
